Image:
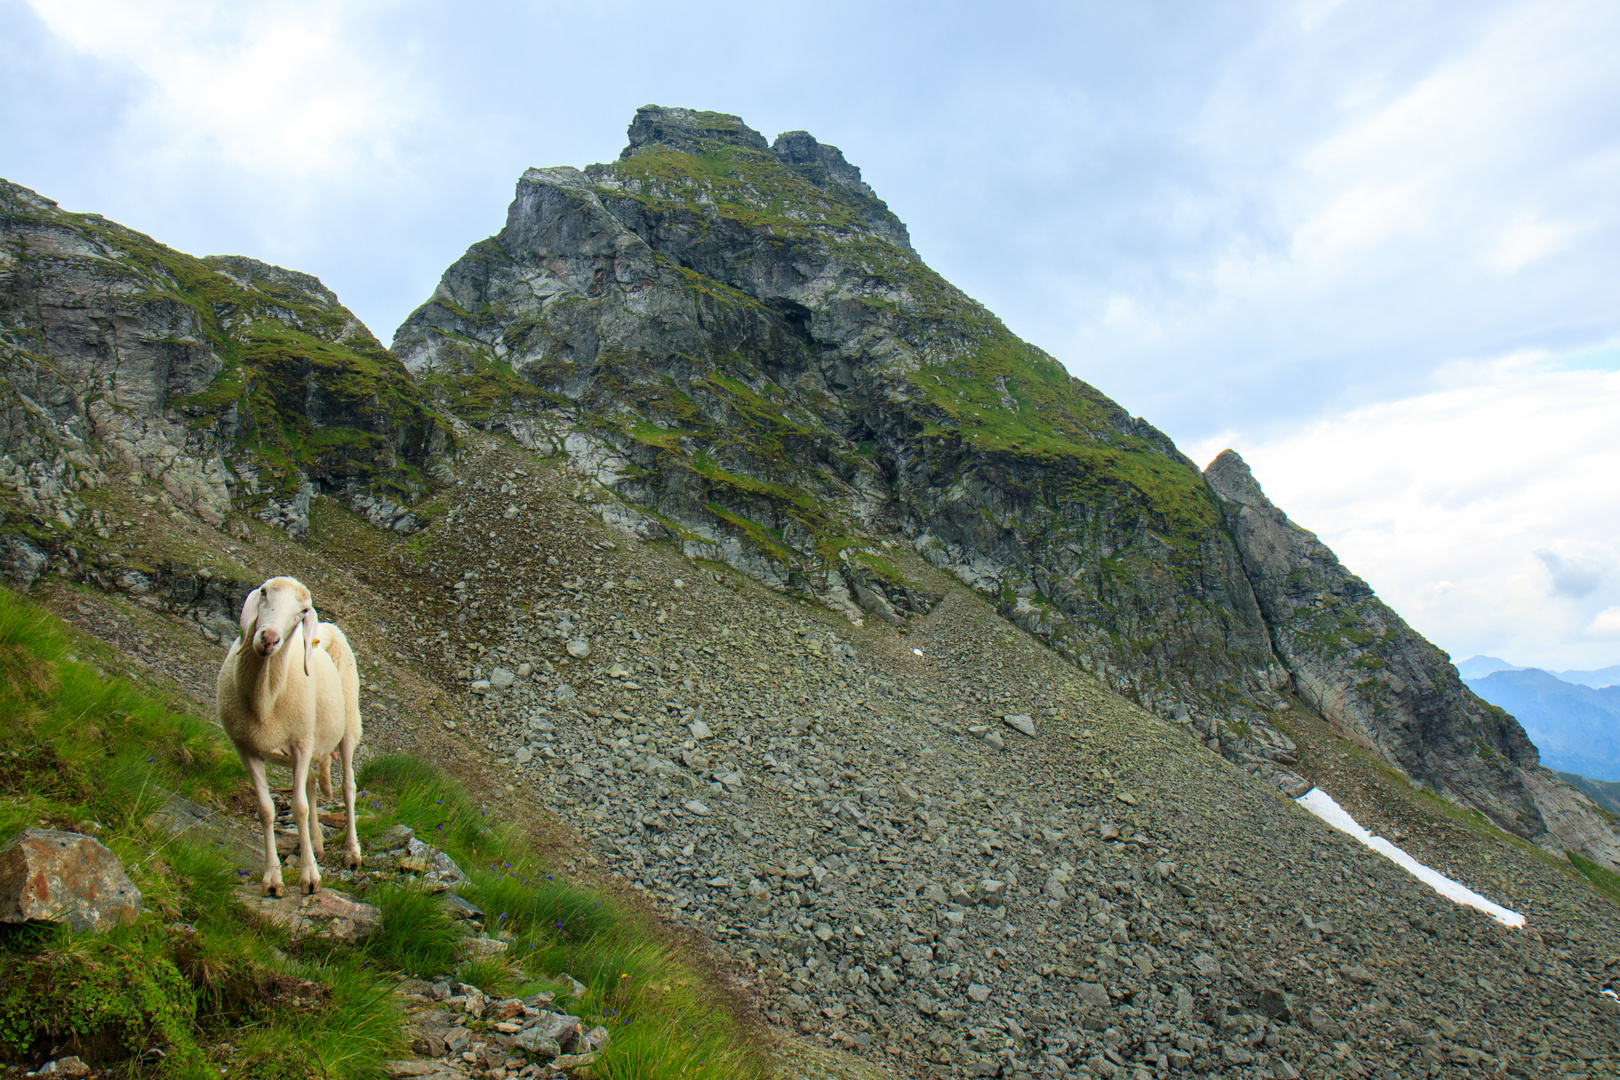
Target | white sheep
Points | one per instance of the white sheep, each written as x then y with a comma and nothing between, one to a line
275,709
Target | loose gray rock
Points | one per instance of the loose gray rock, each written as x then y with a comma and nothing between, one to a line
1022,723
1092,994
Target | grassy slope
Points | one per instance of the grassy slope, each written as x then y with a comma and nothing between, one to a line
91,753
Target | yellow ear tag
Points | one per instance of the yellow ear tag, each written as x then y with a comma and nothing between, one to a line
317,641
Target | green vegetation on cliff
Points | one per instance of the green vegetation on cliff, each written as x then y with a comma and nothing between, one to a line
296,379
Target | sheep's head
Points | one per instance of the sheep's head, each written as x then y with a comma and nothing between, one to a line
273,611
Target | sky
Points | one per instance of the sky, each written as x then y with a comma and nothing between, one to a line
1373,247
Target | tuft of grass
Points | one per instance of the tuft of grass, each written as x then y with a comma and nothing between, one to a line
416,937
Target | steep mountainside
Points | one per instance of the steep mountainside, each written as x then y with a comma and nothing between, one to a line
880,855
1606,793
755,355
231,383
1380,683
737,341
1575,727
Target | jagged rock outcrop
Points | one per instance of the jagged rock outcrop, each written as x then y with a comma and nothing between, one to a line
230,382
1379,682
737,338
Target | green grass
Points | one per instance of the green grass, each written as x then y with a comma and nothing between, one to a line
1604,881
89,752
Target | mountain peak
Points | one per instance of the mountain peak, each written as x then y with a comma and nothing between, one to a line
690,131
1229,477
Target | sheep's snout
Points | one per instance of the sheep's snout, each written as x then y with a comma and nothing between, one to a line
267,640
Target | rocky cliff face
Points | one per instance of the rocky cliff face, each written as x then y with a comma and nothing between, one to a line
1378,681
231,383
739,340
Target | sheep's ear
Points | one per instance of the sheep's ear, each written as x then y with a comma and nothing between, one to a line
309,634
251,604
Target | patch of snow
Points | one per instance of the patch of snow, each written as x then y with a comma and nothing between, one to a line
1325,807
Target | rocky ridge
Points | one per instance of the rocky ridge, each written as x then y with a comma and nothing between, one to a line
739,342
234,385
1359,665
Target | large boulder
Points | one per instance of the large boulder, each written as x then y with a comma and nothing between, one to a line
64,877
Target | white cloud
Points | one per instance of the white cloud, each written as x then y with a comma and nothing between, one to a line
1606,623
1484,512
1528,239
287,88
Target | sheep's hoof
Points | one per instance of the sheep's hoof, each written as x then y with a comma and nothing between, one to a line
351,860
273,890
310,888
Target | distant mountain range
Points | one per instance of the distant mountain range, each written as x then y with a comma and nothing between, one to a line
1574,724
1478,667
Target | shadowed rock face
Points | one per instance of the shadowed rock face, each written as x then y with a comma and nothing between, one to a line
1374,678
739,339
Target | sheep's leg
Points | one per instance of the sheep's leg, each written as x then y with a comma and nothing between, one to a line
309,872
267,818
351,846
317,836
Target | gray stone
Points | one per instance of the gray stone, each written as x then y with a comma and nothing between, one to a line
68,878
1092,994
392,838
180,817
483,948
500,678
459,908
439,865
327,914
1022,723
1277,1004
579,649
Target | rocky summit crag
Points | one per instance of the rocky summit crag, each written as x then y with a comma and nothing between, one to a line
737,341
